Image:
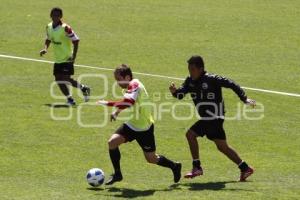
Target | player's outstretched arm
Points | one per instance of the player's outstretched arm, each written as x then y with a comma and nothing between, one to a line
227,83
120,105
180,92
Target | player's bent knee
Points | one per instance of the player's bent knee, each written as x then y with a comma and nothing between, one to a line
151,158
115,141
112,143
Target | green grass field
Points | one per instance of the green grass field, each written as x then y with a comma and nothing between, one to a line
255,42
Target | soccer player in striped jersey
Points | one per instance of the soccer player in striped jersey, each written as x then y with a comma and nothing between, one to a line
65,46
139,127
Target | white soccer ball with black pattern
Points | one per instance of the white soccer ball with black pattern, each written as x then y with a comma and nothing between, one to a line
95,177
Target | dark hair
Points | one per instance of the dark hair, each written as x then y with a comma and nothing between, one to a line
123,70
197,61
56,9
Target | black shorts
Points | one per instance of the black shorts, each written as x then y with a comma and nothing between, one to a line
145,139
213,129
66,68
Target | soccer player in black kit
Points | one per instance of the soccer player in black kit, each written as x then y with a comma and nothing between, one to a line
206,92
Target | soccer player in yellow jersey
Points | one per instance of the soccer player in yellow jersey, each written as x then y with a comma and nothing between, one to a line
63,38
139,127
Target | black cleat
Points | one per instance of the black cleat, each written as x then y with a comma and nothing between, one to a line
177,172
86,91
71,101
114,178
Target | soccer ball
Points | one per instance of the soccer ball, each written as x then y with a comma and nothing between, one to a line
95,177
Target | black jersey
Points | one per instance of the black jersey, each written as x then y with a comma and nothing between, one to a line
206,93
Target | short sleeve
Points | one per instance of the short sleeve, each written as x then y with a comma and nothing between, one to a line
132,91
70,33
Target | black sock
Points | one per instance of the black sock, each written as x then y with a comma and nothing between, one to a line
74,83
197,164
115,157
243,166
70,98
165,162
64,89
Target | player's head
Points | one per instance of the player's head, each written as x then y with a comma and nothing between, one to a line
123,75
196,66
56,14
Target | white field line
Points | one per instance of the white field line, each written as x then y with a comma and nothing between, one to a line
145,74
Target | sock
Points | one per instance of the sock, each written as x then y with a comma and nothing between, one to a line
75,84
64,89
165,162
115,157
197,164
243,166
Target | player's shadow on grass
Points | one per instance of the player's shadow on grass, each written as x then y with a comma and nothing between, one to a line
210,186
129,193
133,193
57,105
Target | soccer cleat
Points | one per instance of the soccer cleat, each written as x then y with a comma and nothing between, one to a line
86,91
246,174
195,172
177,172
114,178
70,101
